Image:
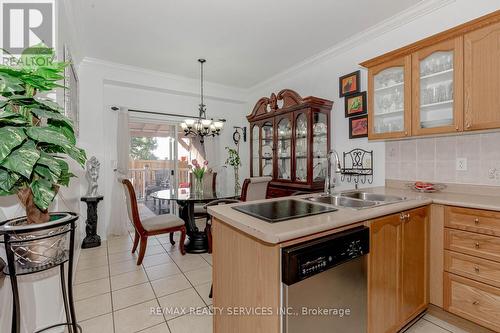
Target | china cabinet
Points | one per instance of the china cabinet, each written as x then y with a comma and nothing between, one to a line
446,83
289,138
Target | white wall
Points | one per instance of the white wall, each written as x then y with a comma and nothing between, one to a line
40,295
318,76
105,84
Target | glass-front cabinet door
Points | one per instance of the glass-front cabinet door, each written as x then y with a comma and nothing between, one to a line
266,136
319,146
390,103
284,148
301,143
255,151
437,85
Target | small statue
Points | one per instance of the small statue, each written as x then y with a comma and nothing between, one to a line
92,175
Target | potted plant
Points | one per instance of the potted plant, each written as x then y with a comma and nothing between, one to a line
233,159
35,136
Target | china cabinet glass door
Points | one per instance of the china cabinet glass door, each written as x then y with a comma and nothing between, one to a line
320,146
267,149
255,151
436,71
284,148
390,109
301,136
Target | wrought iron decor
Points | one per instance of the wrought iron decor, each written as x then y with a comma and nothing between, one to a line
358,166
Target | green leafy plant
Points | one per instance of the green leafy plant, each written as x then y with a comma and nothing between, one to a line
35,135
233,159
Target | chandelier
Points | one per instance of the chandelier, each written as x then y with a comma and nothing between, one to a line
202,126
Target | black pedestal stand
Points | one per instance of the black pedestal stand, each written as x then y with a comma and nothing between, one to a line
91,239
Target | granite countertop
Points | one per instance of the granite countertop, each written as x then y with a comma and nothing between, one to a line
275,233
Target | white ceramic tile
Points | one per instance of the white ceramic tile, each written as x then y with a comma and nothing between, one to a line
93,306
180,303
132,295
204,290
392,153
124,267
94,252
199,276
199,323
444,324
162,271
408,150
101,324
128,279
91,274
446,148
490,172
162,328
123,256
190,262
91,289
207,257
425,170
469,146
408,170
426,149
90,262
424,326
156,259
490,146
472,175
445,171
170,284
392,170
137,317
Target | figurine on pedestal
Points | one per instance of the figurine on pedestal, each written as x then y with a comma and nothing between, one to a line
92,199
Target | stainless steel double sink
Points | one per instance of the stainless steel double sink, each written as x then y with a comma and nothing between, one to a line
356,199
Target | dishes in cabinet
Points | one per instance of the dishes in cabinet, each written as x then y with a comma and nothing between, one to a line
267,170
267,151
319,129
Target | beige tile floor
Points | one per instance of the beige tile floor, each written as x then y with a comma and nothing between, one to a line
114,295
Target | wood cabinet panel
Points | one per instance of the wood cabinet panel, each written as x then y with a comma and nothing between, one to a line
472,300
487,247
438,109
414,263
475,220
482,78
478,269
384,274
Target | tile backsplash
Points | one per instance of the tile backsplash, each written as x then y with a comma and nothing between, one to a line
435,159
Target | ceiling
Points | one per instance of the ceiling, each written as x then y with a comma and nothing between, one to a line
244,42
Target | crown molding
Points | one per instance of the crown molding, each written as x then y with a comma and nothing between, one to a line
231,94
398,20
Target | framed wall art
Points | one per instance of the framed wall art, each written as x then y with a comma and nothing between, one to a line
71,93
355,104
349,84
358,127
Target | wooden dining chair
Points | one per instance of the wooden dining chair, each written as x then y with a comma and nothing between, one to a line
156,225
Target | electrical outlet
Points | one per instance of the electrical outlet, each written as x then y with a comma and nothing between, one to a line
493,173
461,164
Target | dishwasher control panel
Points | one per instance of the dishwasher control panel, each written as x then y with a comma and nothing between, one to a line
310,258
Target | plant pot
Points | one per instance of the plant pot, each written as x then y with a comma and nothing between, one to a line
41,245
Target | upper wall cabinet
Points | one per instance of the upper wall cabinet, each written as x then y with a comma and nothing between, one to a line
446,83
389,100
482,78
437,100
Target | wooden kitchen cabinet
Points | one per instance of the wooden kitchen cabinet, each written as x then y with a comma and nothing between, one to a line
389,100
398,272
437,89
482,78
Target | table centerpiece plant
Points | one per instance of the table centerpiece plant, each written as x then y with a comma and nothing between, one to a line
35,135
199,171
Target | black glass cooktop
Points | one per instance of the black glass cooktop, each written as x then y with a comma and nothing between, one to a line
278,211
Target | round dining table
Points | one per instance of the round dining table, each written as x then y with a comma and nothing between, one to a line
197,241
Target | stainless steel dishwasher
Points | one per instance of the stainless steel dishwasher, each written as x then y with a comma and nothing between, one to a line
325,283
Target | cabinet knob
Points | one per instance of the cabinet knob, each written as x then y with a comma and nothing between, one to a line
456,128
476,221
475,303
476,269
476,245
406,133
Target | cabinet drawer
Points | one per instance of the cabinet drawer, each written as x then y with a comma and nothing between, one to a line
475,220
482,270
487,247
472,300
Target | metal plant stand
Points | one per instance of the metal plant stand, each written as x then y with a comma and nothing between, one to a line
39,247
92,239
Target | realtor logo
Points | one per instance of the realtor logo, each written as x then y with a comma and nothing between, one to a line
27,23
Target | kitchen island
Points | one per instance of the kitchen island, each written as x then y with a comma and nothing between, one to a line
247,258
